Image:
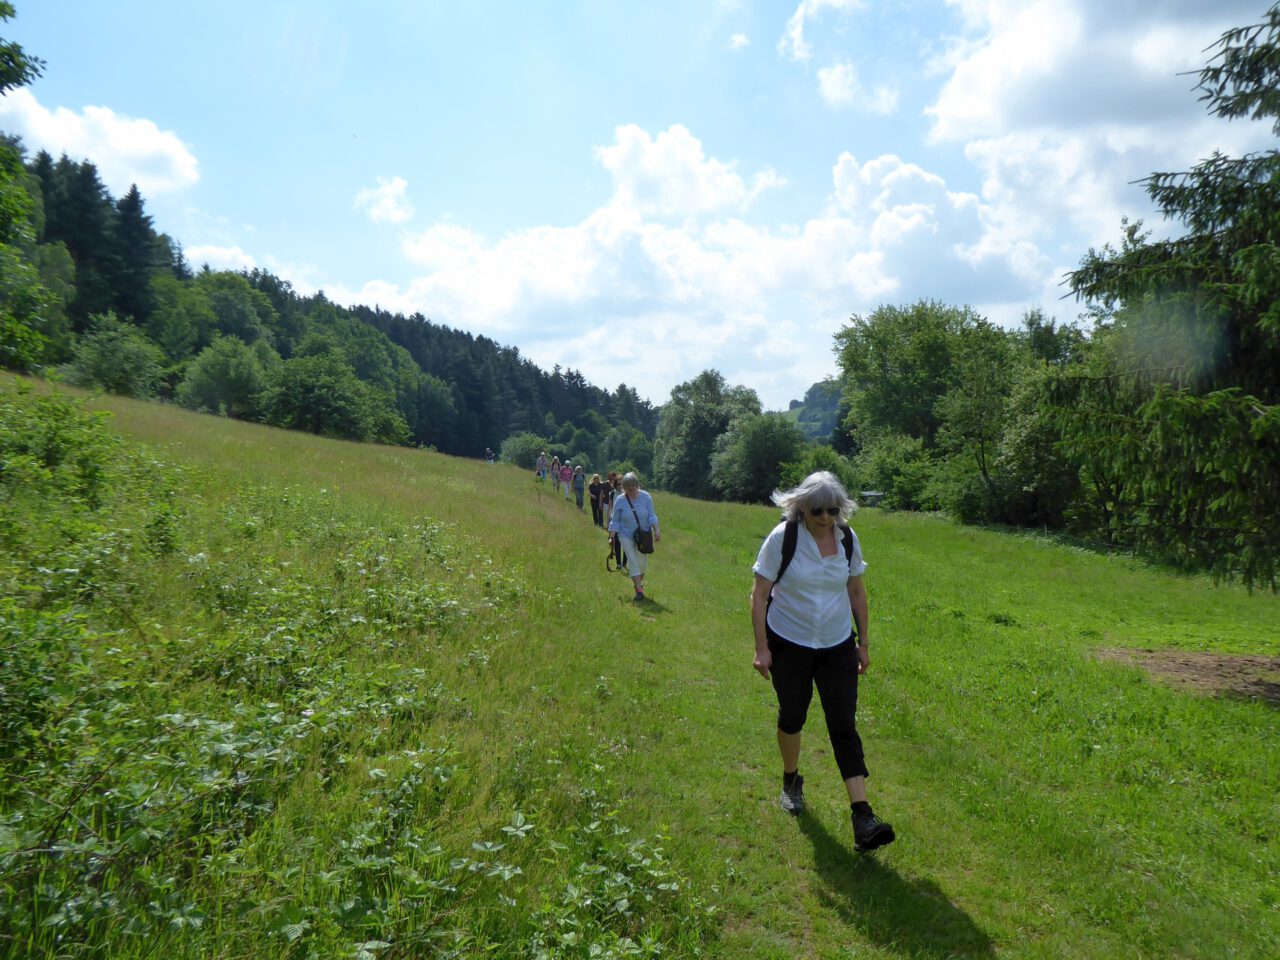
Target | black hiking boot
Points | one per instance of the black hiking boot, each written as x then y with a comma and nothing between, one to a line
869,831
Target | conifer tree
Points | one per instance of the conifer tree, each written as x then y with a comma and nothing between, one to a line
138,252
1195,331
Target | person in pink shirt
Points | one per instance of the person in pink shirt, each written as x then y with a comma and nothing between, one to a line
566,478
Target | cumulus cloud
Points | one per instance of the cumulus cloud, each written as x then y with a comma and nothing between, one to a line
758,302
670,175
1056,107
739,41
793,44
1061,104
840,87
220,258
126,150
388,202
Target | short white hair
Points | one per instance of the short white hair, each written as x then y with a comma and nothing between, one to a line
821,489
629,479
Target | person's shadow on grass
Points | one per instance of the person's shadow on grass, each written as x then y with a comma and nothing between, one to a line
914,918
649,608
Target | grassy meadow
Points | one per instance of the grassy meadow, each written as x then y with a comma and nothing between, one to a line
292,697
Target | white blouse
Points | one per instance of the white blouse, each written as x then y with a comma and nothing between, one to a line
811,602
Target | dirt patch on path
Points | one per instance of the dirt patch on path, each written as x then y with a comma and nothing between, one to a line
1236,675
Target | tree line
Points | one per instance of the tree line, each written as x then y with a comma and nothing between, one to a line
1155,427
91,290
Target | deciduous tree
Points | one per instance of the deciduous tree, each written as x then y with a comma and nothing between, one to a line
699,411
748,458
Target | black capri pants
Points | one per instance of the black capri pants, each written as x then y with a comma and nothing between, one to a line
796,671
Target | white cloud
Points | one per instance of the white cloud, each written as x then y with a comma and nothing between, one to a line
838,84
1060,105
670,176
388,202
793,44
739,41
1070,64
840,88
126,150
219,258
634,294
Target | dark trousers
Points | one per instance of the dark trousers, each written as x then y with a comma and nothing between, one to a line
597,512
834,671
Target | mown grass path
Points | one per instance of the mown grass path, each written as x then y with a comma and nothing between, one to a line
1047,804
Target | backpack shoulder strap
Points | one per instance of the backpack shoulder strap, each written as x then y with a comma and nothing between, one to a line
790,536
848,544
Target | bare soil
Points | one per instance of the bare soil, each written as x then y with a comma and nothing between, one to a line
1237,675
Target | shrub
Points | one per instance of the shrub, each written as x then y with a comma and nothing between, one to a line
321,394
118,358
226,377
522,449
817,457
899,466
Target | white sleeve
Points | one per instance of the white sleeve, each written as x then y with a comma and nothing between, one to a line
857,566
769,559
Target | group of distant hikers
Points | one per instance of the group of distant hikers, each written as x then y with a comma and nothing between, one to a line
618,504
803,635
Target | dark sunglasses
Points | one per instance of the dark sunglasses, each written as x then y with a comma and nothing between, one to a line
829,511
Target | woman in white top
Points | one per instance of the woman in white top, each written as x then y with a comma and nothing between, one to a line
800,613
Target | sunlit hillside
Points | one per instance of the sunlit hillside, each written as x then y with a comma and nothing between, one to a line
268,694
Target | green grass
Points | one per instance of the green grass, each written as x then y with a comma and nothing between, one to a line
475,678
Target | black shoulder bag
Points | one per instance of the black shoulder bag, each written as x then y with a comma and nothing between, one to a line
644,538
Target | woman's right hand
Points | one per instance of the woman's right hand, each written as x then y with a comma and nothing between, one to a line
763,662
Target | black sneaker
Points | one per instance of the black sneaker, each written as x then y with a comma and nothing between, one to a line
792,798
869,831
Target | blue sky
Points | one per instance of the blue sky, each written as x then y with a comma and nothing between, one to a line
639,191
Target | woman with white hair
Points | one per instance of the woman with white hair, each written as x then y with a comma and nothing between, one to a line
633,512
808,581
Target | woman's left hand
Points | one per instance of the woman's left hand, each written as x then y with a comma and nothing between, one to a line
864,658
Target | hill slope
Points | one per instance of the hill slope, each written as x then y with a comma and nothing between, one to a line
600,773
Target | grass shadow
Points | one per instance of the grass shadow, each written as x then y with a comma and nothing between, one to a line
648,607
911,917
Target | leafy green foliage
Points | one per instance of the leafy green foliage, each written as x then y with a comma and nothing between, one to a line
972,411
218,730
746,463
522,449
22,345
899,467
896,367
1195,339
698,413
321,394
17,67
116,357
226,377
23,299
813,458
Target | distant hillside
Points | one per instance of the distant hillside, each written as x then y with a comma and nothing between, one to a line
817,414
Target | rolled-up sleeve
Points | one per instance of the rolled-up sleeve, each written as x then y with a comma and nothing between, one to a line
769,559
857,566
